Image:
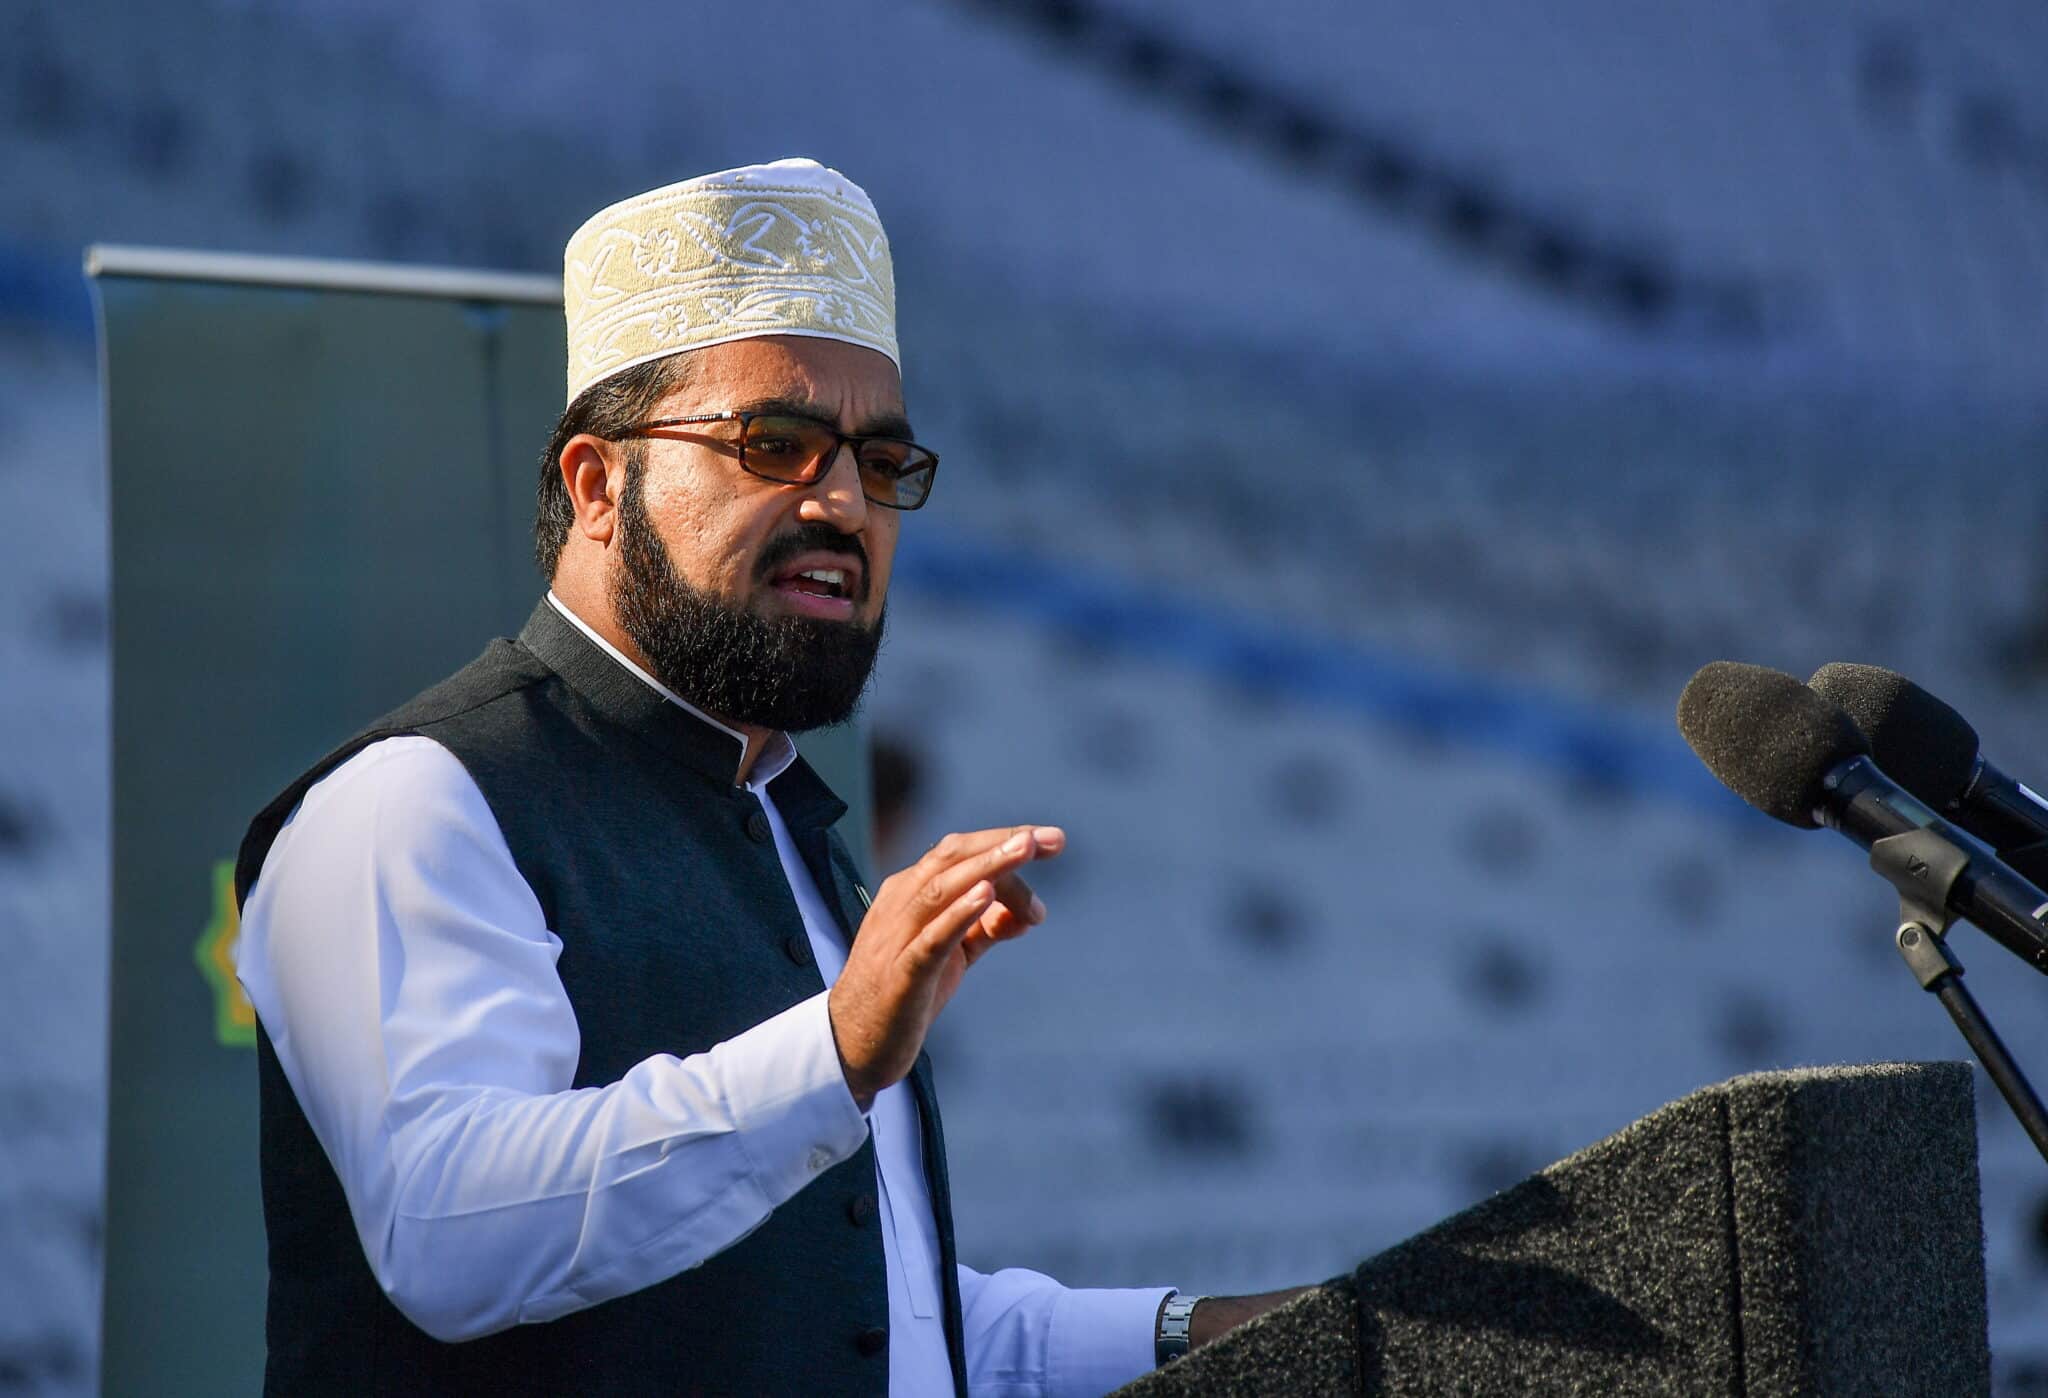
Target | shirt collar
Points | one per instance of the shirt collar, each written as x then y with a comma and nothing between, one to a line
776,756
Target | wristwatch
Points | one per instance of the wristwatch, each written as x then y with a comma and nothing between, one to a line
1176,1320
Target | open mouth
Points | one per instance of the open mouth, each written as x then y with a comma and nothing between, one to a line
820,582
820,587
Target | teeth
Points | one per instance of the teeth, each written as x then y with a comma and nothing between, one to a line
831,577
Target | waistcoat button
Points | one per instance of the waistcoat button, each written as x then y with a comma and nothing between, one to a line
799,948
860,1208
871,1341
757,828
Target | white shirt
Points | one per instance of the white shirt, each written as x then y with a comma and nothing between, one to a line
406,976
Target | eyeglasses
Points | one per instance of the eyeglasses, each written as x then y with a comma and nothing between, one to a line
800,450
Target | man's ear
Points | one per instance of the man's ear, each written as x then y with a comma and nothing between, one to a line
593,481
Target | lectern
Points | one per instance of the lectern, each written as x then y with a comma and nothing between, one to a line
1780,1235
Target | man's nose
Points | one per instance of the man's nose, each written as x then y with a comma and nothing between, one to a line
835,498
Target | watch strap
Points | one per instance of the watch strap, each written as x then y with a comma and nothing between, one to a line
1176,1326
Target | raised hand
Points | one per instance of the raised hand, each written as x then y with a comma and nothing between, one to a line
927,925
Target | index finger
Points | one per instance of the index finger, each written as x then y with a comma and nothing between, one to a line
943,882
959,847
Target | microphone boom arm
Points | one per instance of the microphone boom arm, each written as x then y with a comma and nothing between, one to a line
1872,810
1924,866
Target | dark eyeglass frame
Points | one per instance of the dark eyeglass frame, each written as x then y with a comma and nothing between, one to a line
929,463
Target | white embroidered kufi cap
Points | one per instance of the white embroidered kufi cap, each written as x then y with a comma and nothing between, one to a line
788,248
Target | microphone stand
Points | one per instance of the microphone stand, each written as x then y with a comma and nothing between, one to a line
1923,867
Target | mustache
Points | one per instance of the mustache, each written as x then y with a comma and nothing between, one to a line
814,537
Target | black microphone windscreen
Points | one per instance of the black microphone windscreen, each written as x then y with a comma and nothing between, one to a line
1769,738
1922,744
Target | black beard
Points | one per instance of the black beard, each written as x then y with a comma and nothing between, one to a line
792,673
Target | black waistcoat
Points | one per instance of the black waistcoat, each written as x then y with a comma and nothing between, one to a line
678,931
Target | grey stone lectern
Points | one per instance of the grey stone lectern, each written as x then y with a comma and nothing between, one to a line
1813,1232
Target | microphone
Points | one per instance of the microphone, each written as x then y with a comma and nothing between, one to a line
1933,752
1798,757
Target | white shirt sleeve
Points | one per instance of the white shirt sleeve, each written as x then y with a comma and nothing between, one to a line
1029,1337
406,977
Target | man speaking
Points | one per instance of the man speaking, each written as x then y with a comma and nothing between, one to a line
587,1062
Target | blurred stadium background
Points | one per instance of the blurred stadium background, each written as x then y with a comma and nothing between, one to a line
1359,422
